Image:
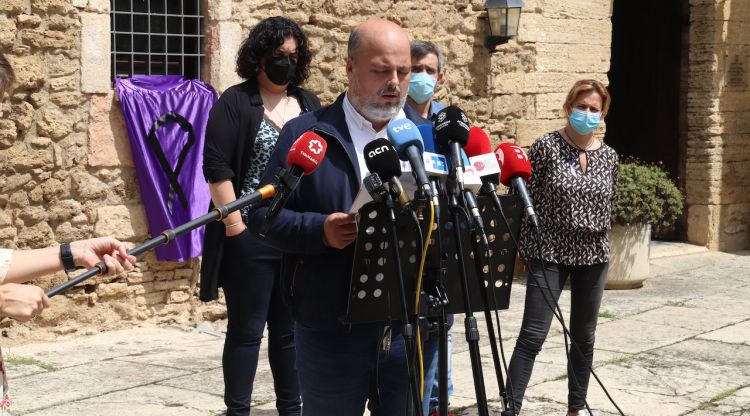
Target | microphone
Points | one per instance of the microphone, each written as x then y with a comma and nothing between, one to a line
375,187
485,166
427,131
482,159
382,158
515,170
435,164
452,133
405,136
303,158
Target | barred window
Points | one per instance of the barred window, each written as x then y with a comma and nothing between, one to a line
156,37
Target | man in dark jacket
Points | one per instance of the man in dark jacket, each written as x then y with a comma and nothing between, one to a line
337,364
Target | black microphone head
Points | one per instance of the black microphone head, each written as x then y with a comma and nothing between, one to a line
451,125
382,158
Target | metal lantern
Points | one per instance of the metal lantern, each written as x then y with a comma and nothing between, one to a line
504,17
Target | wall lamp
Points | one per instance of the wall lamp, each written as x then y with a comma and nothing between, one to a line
504,17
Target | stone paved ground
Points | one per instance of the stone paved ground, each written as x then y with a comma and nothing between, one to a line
680,345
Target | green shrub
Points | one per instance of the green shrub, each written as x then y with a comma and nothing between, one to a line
646,195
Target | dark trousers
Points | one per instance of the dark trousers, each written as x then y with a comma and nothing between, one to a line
337,371
430,353
586,290
254,298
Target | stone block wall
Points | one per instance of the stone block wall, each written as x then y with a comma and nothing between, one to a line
66,171
718,124
515,93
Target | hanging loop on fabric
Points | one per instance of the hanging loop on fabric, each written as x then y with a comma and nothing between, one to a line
172,175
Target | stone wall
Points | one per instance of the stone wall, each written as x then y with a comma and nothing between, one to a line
718,112
67,171
515,93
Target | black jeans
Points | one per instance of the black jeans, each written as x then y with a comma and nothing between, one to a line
337,369
251,289
586,290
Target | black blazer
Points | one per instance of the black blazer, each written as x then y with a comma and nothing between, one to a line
314,277
232,125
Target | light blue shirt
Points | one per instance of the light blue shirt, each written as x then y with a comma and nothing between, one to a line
435,107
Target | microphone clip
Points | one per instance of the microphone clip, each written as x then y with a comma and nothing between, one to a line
488,188
287,181
375,187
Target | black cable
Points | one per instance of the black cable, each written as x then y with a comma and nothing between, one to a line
499,330
470,323
478,234
557,312
566,333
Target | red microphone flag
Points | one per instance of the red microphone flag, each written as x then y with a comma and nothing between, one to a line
307,152
513,163
478,144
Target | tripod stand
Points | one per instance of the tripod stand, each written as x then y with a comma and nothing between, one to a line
373,292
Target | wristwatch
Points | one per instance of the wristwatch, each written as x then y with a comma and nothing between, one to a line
66,255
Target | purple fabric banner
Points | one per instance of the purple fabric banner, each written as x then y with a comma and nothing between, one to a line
166,119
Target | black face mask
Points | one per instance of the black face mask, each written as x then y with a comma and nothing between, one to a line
280,70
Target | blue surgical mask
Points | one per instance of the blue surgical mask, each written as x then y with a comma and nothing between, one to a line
584,122
421,87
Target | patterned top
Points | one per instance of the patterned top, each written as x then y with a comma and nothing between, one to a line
265,142
573,207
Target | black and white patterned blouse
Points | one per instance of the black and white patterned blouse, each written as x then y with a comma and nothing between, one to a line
265,142
573,207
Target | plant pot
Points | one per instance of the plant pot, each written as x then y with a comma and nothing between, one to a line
628,265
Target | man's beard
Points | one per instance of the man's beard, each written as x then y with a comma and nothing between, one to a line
371,110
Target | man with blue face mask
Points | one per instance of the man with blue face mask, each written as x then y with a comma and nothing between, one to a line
427,62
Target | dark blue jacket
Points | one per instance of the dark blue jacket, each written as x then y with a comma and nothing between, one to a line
315,278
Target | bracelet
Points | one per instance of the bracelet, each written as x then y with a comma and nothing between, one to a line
66,256
232,225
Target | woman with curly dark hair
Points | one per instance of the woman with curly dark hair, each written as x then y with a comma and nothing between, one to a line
241,133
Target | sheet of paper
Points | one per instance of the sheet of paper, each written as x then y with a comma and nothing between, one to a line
363,197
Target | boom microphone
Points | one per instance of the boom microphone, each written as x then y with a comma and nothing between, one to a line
515,171
381,157
303,158
405,136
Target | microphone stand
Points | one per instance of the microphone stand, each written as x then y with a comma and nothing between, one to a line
440,301
381,194
479,267
407,329
167,236
470,322
489,189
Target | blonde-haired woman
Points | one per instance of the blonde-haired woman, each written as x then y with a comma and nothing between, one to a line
572,185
